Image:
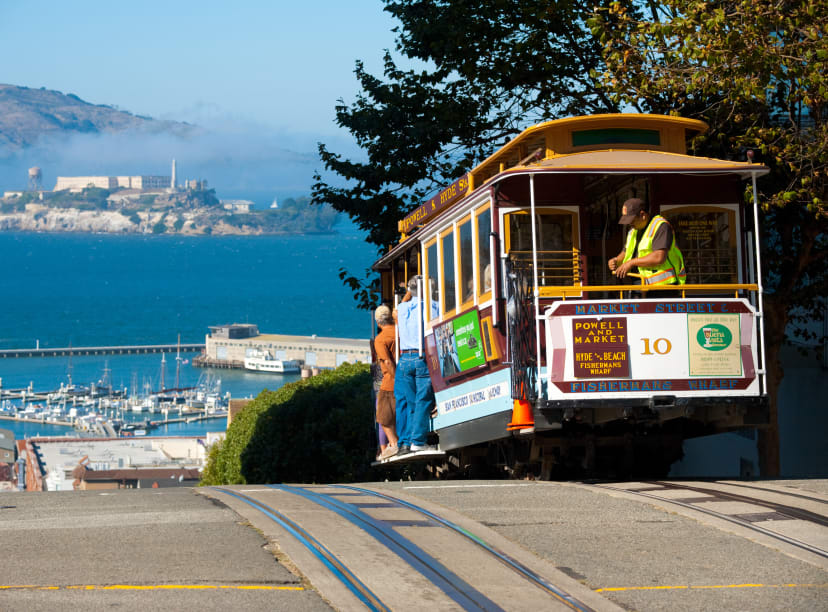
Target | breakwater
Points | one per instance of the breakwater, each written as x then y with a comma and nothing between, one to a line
71,351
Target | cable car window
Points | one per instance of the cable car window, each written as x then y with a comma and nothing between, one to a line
399,272
432,272
484,270
556,258
464,235
449,293
706,236
413,262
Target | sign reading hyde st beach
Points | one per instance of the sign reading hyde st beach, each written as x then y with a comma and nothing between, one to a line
611,349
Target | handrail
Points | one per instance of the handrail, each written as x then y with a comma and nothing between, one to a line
577,290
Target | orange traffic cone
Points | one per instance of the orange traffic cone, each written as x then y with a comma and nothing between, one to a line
522,417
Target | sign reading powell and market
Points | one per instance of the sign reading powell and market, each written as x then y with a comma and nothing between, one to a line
600,348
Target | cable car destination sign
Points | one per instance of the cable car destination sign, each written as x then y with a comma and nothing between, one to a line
447,196
634,348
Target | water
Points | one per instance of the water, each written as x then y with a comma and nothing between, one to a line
91,290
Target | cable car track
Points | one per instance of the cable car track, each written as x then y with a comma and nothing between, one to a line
713,495
382,531
505,559
776,491
337,568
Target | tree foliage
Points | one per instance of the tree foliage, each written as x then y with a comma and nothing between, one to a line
491,69
314,430
755,71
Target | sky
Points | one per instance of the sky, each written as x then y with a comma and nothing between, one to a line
263,76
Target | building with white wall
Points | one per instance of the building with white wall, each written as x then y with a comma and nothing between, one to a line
79,183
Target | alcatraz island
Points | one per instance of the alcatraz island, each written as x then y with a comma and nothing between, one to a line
151,205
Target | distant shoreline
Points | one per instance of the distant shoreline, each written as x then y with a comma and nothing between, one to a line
172,233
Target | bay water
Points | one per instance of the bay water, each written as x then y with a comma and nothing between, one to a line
60,290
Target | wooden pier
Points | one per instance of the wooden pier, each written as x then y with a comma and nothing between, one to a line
74,351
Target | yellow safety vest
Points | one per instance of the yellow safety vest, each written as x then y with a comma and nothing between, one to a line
671,270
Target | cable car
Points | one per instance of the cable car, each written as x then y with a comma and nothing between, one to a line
540,357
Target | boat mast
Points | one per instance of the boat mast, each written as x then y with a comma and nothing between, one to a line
163,371
178,364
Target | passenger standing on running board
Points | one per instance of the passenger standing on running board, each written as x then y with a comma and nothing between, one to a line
412,385
384,344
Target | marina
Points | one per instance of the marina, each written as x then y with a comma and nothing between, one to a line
130,396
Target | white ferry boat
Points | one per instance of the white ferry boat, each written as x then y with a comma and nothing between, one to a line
262,361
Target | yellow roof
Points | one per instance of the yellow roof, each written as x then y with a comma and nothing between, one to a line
642,161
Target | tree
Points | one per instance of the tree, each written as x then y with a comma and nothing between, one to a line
494,68
755,71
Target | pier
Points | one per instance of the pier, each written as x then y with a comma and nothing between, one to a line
74,351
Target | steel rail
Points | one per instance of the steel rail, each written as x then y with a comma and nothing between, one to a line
725,517
791,511
328,559
777,491
539,581
442,577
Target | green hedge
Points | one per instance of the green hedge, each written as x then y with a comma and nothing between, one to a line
319,429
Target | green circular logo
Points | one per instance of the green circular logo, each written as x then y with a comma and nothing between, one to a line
714,337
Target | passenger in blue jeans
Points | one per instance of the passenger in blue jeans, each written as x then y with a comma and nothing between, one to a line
412,385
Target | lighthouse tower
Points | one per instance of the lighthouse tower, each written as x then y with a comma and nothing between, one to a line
172,180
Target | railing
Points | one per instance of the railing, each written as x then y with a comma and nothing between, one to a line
561,274
579,290
555,268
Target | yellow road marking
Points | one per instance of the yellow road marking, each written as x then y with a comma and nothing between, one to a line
711,586
151,587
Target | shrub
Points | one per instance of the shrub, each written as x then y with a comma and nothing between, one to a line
159,228
314,430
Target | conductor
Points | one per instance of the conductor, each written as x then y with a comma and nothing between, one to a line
651,246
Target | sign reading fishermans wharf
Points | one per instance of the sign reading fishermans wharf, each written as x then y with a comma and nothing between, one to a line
601,349
447,196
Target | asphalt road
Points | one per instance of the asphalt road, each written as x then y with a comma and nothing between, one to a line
95,550
638,554
177,549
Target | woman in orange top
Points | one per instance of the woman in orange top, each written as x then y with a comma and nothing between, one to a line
384,345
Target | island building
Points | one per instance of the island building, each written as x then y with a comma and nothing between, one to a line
237,206
228,345
79,183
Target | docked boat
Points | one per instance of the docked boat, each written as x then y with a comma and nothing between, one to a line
262,361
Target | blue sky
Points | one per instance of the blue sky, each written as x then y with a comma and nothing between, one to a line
262,76
279,63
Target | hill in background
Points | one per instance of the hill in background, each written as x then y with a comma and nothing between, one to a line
28,114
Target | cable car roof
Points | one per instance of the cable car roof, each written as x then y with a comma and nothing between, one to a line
644,162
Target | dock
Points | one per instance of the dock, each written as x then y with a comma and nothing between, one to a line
227,346
74,351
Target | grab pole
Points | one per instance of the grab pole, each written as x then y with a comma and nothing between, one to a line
762,370
535,281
